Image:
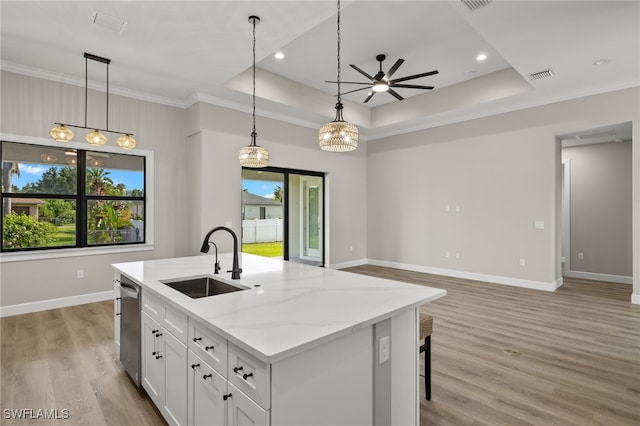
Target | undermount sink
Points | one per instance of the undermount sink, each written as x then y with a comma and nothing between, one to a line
202,286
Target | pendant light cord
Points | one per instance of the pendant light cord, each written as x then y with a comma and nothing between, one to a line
253,132
339,98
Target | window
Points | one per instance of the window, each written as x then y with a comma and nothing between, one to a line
54,197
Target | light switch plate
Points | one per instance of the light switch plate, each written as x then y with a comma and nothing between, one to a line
383,350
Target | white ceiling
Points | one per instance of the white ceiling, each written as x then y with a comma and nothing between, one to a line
179,52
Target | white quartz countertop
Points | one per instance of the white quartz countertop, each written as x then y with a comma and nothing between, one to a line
288,308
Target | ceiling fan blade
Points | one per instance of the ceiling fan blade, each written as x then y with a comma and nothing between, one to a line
369,97
393,69
412,86
411,77
361,72
348,82
355,90
395,94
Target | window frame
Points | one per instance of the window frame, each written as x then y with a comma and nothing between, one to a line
89,249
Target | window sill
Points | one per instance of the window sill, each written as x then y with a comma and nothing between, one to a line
72,252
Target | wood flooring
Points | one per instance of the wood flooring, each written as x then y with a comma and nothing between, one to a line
577,358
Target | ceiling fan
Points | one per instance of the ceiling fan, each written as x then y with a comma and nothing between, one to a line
381,81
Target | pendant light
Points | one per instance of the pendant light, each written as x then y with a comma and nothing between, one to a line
254,156
338,135
62,133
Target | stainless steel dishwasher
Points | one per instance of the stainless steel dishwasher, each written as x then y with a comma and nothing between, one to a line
130,302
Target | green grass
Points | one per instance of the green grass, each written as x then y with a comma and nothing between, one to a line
65,235
274,249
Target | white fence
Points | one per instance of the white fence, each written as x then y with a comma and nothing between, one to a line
262,230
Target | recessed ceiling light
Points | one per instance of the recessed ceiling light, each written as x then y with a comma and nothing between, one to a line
279,55
481,57
601,62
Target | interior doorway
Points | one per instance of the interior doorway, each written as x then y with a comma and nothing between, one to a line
597,204
283,214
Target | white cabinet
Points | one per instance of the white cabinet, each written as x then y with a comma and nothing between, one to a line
214,401
164,373
207,389
243,411
116,311
152,364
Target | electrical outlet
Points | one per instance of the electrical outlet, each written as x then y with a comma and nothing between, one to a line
580,256
458,255
80,273
447,254
383,350
523,262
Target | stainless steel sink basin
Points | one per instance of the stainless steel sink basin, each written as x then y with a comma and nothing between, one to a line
202,286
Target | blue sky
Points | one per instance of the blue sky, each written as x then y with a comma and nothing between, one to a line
261,188
33,172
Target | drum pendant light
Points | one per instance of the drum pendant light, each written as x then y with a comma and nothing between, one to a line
254,156
338,135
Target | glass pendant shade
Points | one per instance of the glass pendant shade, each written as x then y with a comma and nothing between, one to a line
253,156
61,133
48,157
338,136
126,142
96,138
72,161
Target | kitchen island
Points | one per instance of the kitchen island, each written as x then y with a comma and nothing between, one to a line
299,345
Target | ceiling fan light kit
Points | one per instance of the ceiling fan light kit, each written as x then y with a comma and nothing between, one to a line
338,135
61,132
382,82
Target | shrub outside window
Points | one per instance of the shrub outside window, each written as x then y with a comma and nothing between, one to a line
61,198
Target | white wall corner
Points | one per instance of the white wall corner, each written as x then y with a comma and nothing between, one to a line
635,299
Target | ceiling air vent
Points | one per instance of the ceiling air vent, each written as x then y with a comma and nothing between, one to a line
541,74
109,22
475,4
595,135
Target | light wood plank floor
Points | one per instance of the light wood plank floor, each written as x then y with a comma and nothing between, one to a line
579,347
579,361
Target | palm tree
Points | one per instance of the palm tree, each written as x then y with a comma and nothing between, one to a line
8,170
98,181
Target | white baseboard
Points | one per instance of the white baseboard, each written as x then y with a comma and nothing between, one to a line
600,277
635,299
348,264
63,302
495,279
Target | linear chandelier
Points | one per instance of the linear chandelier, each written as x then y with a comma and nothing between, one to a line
95,137
338,135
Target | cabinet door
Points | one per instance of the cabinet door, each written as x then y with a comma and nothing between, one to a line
116,312
152,361
205,396
174,354
243,411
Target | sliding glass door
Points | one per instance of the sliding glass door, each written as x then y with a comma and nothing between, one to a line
283,214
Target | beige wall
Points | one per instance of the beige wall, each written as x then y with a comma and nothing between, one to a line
600,208
504,174
29,108
222,132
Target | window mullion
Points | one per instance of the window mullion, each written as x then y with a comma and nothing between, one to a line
81,201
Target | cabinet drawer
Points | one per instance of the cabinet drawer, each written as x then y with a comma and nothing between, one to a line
168,317
250,375
209,346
